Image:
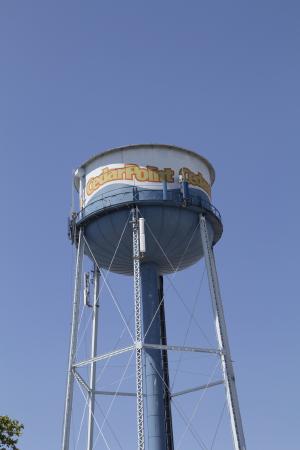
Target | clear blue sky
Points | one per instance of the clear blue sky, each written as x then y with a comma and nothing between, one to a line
218,77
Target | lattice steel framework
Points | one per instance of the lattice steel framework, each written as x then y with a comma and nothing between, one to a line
138,330
73,344
223,350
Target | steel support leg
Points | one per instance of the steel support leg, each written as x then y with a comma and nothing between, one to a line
232,397
138,331
92,384
73,344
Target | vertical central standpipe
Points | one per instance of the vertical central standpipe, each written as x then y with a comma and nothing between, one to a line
153,374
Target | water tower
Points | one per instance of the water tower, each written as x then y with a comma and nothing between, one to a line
139,205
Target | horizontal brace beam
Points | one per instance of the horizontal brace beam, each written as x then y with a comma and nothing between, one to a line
104,356
121,394
178,348
81,380
198,388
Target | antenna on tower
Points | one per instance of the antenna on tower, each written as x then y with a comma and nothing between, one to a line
86,290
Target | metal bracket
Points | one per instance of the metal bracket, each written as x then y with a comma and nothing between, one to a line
73,232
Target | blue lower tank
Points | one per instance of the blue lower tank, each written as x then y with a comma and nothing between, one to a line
171,227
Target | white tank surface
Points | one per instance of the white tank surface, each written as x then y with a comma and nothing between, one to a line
145,166
170,184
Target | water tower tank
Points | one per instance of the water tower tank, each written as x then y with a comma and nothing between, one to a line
169,184
146,210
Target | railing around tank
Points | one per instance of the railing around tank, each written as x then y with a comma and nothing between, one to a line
118,196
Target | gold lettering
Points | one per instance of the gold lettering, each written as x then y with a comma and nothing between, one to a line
195,179
121,173
129,172
153,174
169,175
141,174
90,187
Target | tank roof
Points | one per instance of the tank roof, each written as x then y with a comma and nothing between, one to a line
173,147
